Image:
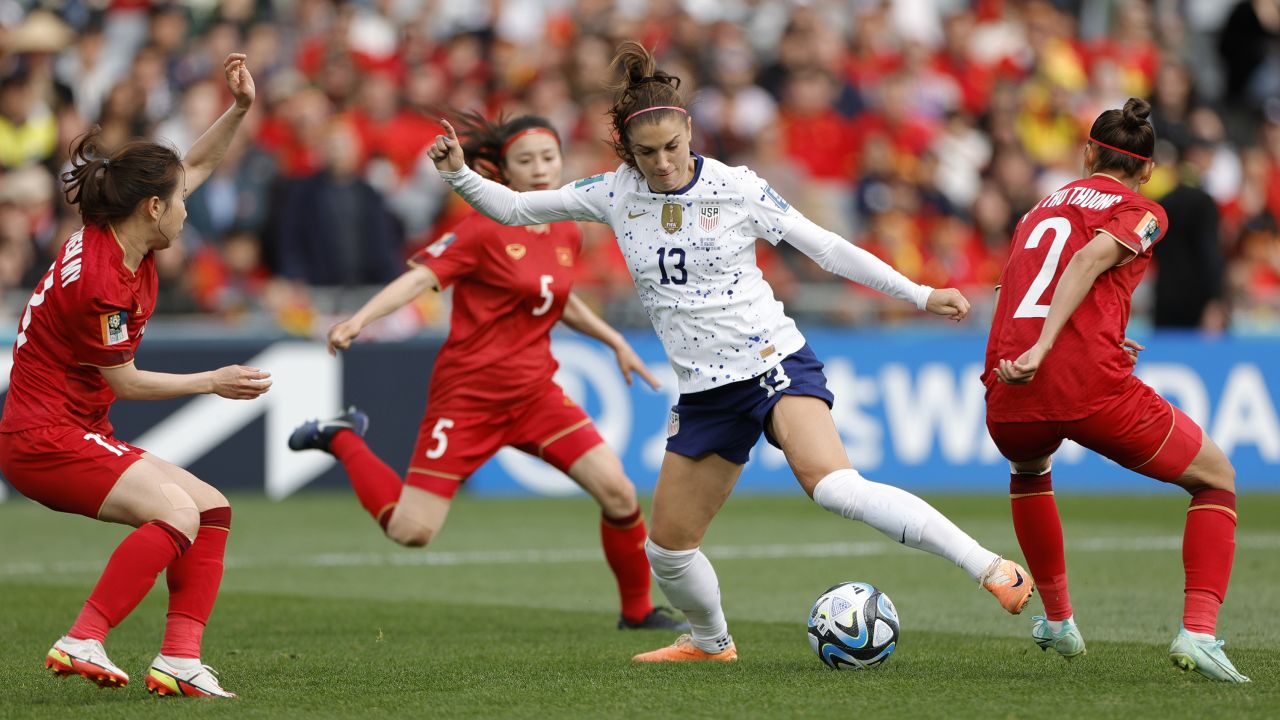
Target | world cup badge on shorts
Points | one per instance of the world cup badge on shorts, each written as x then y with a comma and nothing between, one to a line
673,423
672,218
709,217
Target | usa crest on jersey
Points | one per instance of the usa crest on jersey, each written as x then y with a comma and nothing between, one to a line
709,217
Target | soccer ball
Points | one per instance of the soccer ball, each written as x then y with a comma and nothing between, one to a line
853,626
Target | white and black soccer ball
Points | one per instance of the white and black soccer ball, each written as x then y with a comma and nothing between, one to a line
853,626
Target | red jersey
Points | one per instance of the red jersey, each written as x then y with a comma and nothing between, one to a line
1087,365
88,312
510,288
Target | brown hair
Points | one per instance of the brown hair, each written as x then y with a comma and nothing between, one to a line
108,186
484,142
640,86
1128,133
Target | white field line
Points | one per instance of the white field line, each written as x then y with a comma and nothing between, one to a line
1163,543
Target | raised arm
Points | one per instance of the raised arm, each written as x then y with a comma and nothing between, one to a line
579,316
411,284
208,150
1101,254
494,200
838,256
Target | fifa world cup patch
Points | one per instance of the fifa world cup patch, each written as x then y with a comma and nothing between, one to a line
115,327
437,248
589,180
776,198
1147,230
673,423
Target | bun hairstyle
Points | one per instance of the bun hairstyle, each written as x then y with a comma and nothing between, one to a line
643,94
1124,139
485,142
108,186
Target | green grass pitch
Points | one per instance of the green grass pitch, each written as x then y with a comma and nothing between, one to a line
511,614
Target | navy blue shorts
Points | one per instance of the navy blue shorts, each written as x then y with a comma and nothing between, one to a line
728,420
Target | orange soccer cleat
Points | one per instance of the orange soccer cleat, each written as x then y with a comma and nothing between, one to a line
86,658
1010,583
683,650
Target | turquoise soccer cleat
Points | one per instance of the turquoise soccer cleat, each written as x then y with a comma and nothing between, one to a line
1068,642
1203,656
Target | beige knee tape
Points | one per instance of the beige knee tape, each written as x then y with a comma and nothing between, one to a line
177,497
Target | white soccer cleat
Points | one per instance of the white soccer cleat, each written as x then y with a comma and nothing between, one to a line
1205,657
184,677
1067,642
86,658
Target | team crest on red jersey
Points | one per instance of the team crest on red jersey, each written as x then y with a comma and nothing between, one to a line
564,256
516,251
115,327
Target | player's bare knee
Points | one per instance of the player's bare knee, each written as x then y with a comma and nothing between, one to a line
409,534
179,510
618,497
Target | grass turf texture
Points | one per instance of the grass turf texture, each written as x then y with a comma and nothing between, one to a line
320,615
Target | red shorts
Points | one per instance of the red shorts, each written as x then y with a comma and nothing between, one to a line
65,468
452,445
1139,430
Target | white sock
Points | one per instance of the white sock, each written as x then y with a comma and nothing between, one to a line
1057,625
690,584
178,663
1199,636
903,517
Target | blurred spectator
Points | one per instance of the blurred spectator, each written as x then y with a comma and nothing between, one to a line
333,228
28,130
1189,262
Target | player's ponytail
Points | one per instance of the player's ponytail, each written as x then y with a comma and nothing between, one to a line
643,94
485,142
108,186
1124,139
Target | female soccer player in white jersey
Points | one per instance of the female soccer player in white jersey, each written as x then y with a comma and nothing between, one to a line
687,226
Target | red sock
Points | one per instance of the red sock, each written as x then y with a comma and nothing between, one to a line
1208,547
377,485
1039,531
193,585
129,575
623,540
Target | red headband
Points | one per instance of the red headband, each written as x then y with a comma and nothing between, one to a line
659,107
1122,151
527,131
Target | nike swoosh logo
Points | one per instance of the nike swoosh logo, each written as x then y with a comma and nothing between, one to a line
630,216
904,536
1019,583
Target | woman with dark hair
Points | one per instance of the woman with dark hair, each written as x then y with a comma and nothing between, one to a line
687,226
74,356
492,382
1072,379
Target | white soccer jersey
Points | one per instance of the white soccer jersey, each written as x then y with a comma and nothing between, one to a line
692,256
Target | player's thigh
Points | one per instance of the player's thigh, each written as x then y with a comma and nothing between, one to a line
418,516
803,428
1209,469
450,447
205,495
599,471
145,492
690,492
1143,432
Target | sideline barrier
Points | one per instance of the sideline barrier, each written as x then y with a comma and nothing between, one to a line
909,407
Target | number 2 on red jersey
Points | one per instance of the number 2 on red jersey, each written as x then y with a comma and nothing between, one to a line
1030,305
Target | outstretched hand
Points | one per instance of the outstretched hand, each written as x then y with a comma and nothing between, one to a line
341,335
949,303
446,151
629,362
237,382
239,81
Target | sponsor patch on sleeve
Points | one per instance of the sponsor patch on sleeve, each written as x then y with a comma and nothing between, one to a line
115,327
1147,230
589,180
437,248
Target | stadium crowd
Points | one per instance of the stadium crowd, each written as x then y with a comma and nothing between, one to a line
920,129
